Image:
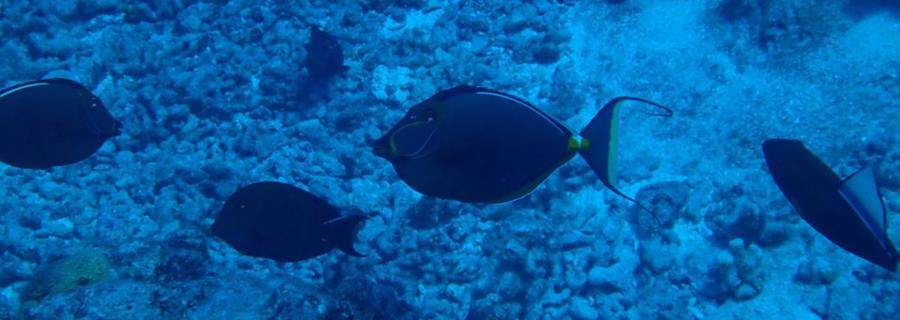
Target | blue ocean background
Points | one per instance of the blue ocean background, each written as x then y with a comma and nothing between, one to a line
214,95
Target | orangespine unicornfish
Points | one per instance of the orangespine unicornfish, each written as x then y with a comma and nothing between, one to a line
479,145
849,212
52,122
284,223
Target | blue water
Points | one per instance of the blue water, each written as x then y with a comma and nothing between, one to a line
214,95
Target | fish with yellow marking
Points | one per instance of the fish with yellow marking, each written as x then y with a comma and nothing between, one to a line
479,145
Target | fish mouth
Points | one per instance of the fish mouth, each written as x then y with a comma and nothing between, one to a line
110,132
381,150
117,129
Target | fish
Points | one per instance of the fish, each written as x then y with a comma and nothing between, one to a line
324,56
850,212
479,145
281,222
52,122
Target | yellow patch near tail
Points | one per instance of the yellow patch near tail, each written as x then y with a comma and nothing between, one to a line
578,143
573,144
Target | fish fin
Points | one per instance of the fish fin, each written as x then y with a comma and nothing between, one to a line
601,135
860,190
444,94
22,86
42,82
342,232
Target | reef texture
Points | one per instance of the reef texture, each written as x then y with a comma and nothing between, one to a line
214,95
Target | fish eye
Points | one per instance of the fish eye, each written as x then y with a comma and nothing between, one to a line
427,116
430,115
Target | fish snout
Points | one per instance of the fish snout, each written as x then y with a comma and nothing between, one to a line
117,129
382,148
382,152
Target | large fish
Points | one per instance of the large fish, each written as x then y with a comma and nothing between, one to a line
479,145
284,223
52,122
849,212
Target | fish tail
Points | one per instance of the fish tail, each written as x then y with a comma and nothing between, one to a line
599,143
342,232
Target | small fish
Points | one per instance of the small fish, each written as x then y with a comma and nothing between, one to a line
284,223
324,57
479,145
849,212
52,122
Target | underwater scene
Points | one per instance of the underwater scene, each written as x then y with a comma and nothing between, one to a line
448,159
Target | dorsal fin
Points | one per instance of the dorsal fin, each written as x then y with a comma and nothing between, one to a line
861,192
42,82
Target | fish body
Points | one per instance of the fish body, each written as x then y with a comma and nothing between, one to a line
284,223
52,122
479,145
324,56
849,212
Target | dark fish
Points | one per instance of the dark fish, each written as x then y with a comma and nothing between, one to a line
848,212
479,145
52,122
324,57
284,223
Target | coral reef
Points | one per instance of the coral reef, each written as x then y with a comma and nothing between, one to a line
69,273
213,96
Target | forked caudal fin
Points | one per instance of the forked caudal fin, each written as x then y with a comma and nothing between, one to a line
861,192
342,232
602,141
